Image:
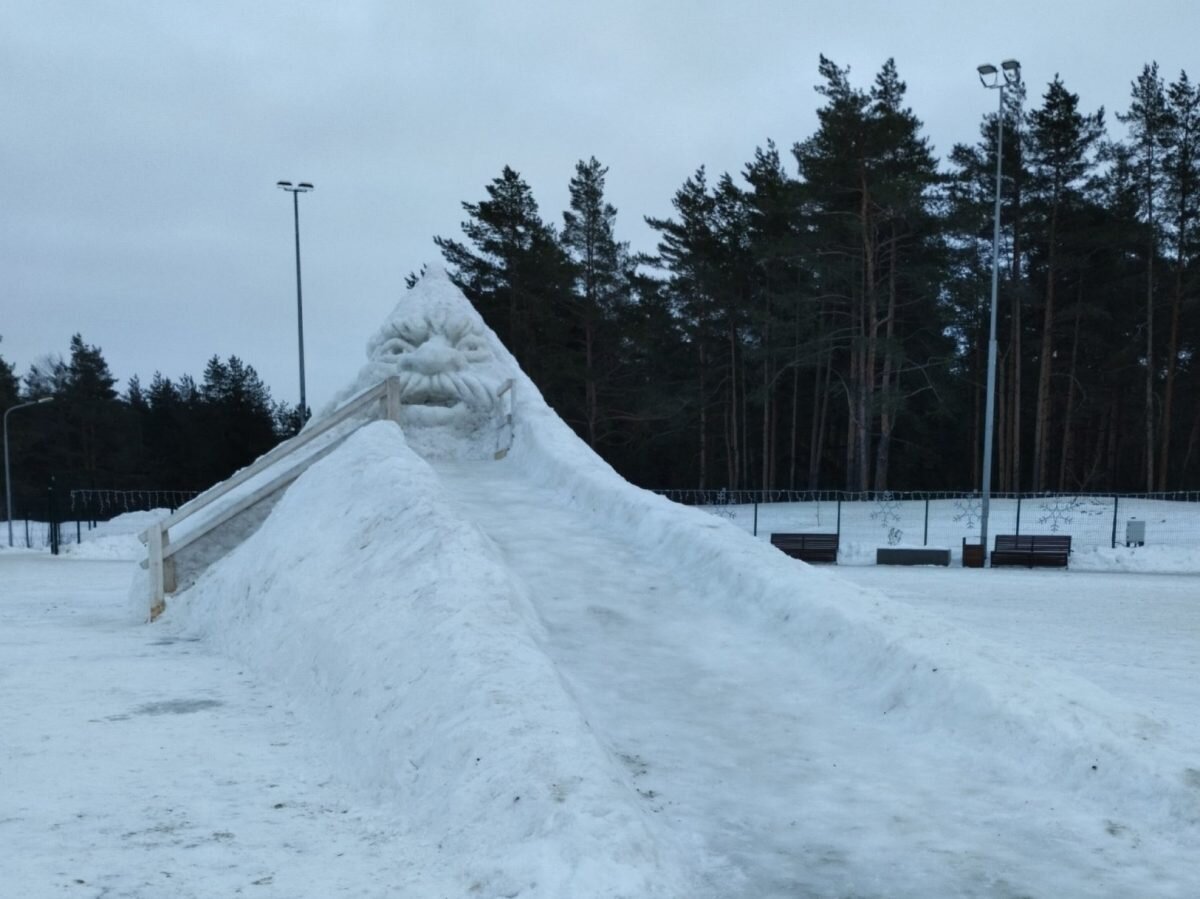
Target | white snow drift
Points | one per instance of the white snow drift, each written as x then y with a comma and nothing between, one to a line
576,688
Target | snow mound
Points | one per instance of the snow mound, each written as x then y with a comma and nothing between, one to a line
117,538
405,631
408,633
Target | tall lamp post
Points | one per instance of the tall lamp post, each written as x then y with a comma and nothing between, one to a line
301,188
1009,75
7,481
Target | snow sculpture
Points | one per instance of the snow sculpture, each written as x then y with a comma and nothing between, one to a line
450,376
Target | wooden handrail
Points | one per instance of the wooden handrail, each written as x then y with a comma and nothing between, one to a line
277,482
263,462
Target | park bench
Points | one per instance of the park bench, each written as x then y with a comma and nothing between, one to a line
1032,550
808,547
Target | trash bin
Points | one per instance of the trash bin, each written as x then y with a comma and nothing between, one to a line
1135,532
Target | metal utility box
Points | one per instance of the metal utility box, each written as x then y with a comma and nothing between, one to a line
1135,533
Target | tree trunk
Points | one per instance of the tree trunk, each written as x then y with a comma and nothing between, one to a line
766,410
735,448
1001,438
1015,407
1150,366
820,420
1164,459
1066,438
887,412
703,421
1041,430
591,404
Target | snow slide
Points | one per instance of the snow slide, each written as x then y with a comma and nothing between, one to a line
575,688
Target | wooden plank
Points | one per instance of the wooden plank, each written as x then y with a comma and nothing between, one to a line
504,396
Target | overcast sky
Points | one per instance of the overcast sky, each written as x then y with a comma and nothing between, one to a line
141,142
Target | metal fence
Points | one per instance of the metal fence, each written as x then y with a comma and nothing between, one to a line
944,519
63,517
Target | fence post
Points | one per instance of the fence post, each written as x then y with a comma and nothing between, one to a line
1116,501
79,533
839,518
52,519
1018,531
925,540
756,518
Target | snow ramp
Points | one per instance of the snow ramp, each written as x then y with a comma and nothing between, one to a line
571,687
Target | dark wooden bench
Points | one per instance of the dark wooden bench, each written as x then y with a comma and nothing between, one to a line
808,547
1032,550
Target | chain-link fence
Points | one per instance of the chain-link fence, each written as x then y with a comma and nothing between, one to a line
945,519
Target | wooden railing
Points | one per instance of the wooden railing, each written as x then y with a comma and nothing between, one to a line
160,551
504,429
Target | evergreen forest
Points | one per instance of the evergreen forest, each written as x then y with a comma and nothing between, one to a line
169,436
817,321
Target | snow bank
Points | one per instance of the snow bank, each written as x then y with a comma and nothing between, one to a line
407,638
1141,559
117,538
936,681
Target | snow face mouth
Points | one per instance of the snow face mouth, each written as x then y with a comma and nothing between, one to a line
444,368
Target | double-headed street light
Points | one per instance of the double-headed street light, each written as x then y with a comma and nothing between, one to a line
7,482
302,187
1008,76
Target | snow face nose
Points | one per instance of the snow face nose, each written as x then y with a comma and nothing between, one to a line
434,356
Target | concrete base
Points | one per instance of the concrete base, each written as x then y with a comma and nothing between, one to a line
926,556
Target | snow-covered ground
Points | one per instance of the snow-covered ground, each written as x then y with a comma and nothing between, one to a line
138,762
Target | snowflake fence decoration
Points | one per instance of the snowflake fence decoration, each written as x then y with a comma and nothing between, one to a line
887,510
721,506
1061,510
970,511
887,513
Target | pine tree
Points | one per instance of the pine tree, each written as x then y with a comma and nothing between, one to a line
601,268
1149,124
688,250
1061,143
517,276
1181,170
9,385
88,404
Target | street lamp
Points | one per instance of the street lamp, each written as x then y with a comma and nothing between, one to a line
301,188
1010,76
7,487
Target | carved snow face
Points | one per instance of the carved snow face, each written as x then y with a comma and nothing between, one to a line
446,369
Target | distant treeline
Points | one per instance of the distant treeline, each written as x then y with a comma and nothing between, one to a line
821,320
171,435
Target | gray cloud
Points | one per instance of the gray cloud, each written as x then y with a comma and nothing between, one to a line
142,141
